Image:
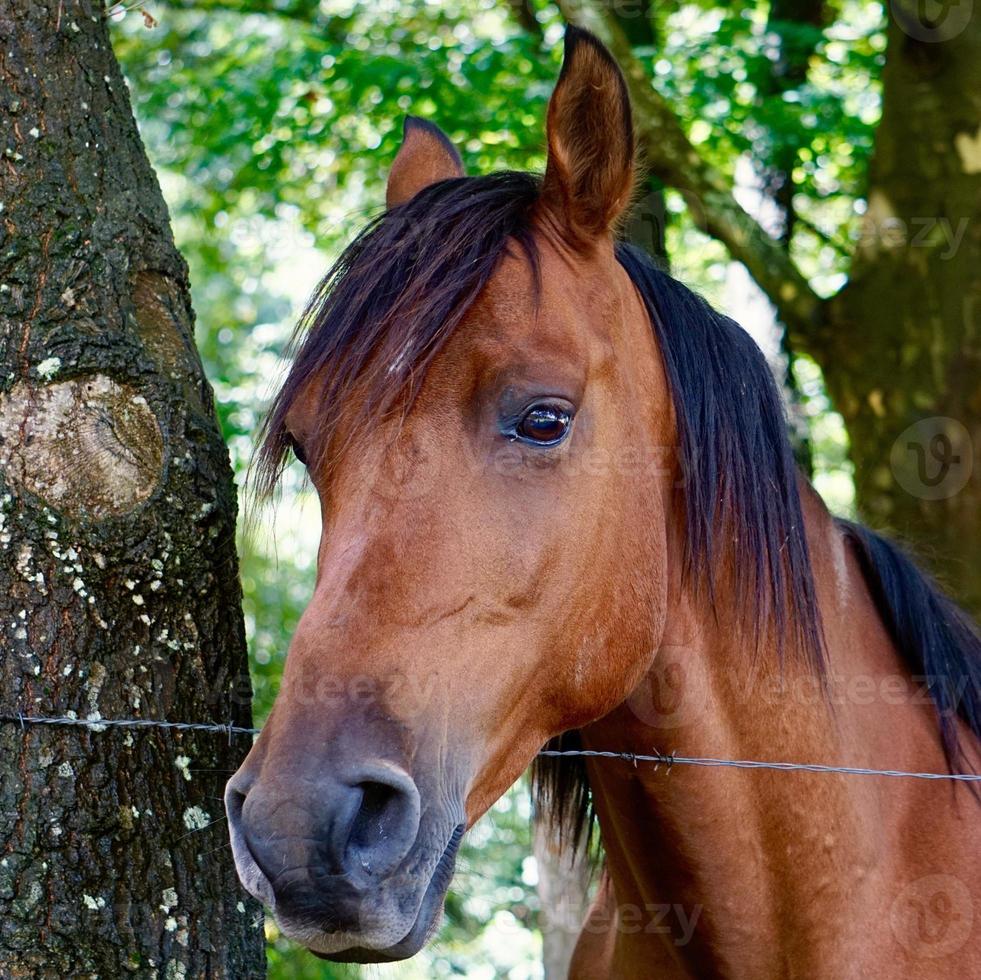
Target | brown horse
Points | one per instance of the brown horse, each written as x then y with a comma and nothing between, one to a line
558,502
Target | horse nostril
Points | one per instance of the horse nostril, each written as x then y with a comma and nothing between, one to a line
385,825
376,817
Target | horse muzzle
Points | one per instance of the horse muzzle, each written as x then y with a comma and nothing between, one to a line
347,862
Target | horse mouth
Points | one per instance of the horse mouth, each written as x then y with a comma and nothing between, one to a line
427,918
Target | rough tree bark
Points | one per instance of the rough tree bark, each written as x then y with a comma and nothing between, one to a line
119,594
900,345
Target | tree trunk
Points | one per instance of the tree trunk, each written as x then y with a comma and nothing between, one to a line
904,364
796,24
119,594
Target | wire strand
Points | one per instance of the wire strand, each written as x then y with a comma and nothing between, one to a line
682,760
101,724
657,758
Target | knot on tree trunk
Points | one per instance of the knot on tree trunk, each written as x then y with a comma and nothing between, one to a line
89,447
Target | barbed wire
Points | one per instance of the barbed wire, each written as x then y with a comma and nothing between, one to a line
681,760
655,757
101,724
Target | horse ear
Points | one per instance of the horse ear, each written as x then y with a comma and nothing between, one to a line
590,170
426,155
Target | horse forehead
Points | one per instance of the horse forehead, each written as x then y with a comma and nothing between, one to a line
565,313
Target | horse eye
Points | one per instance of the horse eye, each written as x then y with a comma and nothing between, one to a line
543,424
297,450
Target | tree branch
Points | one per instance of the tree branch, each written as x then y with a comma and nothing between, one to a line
524,14
797,25
670,155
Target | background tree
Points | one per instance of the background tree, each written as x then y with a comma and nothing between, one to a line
119,594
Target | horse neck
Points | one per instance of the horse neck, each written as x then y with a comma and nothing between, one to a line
732,872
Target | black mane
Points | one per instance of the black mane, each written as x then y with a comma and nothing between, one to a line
938,640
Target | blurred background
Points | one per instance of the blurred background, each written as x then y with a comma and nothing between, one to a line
272,124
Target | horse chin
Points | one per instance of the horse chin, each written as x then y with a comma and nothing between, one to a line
427,918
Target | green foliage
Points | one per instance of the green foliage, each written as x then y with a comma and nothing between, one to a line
716,66
275,117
